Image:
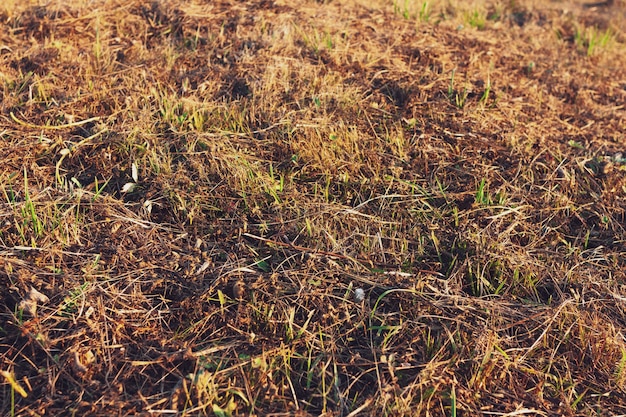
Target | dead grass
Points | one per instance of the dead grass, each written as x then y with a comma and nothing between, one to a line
312,208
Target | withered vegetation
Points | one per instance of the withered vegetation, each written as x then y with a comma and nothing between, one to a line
338,208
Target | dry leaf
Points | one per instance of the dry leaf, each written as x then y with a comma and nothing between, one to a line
29,303
14,384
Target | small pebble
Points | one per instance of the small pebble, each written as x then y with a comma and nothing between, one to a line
359,295
239,289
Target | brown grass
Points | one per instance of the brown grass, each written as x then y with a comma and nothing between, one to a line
338,208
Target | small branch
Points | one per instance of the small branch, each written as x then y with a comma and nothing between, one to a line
65,126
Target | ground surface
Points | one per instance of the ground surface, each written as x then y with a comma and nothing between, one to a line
331,208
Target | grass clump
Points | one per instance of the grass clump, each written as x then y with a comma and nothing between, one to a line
318,208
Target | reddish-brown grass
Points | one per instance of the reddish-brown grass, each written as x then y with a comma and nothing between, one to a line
312,208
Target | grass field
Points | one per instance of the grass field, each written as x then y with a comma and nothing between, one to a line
312,208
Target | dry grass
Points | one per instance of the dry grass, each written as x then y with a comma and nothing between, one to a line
333,208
